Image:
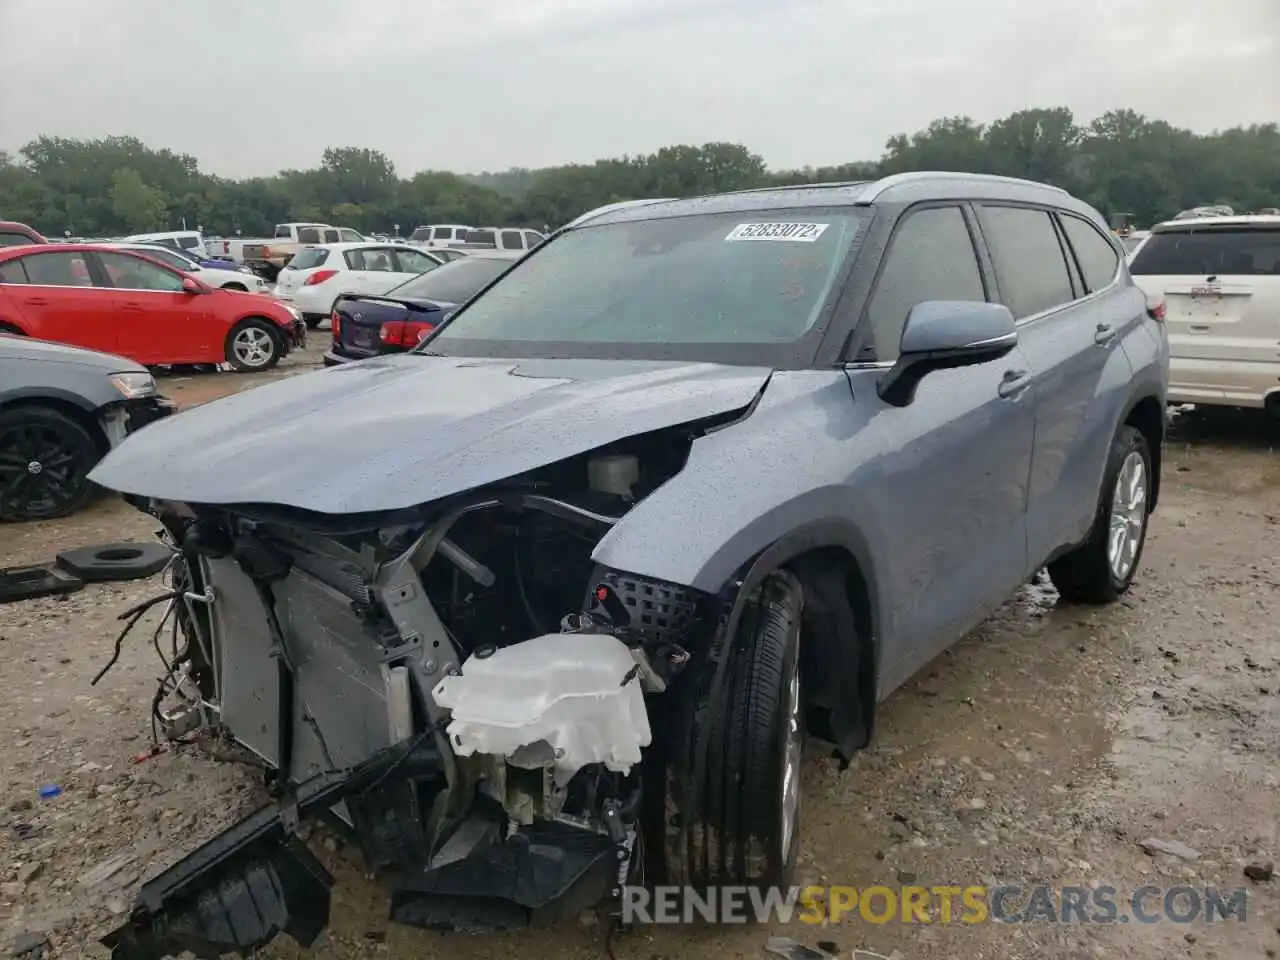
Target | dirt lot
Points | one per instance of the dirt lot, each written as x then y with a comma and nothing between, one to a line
1042,749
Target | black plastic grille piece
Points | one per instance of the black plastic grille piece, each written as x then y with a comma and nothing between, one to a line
659,612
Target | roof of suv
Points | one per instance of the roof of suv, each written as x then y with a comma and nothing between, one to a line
1247,220
912,187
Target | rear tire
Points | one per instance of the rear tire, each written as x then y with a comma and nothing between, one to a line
747,828
63,451
254,345
1102,568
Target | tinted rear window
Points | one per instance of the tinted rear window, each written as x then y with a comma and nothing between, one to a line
306,259
188,243
482,236
453,282
422,233
1208,253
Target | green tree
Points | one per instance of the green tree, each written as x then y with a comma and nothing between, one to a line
137,206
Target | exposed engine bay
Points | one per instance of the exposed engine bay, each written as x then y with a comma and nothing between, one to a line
460,684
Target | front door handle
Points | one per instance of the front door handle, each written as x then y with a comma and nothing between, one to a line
37,301
1103,334
132,305
1200,327
1013,383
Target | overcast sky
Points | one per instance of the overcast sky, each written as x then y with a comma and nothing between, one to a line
470,85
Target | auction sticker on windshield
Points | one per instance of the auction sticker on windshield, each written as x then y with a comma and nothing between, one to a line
791,232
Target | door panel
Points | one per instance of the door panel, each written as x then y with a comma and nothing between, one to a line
953,492
953,495
59,302
1070,328
157,321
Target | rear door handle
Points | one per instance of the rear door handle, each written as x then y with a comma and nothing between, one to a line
1103,334
37,301
132,305
1200,327
1013,383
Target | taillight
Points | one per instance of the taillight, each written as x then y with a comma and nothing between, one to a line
320,276
335,324
1156,311
404,333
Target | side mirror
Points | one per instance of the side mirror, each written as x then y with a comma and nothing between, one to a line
943,334
192,286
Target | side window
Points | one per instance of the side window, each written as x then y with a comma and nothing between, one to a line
283,232
350,236
57,270
1028,259
442,233
308,235
411,261
377,260
331,236
1098,259
134,273
511,240
14,239
12,271
533,238
931,257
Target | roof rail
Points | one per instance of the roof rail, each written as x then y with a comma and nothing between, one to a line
827,184
924,176
610,208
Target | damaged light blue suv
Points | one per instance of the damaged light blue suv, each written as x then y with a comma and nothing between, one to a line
545,608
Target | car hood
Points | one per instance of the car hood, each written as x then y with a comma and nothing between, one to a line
27,348
393,432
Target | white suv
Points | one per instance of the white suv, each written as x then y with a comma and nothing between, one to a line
1219,278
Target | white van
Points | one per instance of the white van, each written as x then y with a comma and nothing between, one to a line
190,242
1219,278
440,235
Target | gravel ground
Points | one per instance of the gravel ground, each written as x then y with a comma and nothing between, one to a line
1042,749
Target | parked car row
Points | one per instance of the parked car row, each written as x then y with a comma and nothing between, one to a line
121,301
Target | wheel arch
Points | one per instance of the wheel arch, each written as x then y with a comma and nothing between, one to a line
69,406
826,555
1147,415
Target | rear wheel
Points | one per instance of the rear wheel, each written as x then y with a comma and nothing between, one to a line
45,459
1101,569
253,345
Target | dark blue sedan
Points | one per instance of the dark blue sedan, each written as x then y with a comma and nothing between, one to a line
367,326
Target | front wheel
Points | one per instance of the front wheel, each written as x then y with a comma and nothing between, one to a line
45,459
1102,568
745,829
253,346
238,287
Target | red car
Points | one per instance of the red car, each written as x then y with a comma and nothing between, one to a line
18,234
118,301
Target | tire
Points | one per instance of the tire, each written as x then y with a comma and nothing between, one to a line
254,345
1087,574
235,286
11,330
63,451
312,321
746,831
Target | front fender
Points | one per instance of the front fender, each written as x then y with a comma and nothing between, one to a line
771,486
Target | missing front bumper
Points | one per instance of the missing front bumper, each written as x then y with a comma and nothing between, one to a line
257,879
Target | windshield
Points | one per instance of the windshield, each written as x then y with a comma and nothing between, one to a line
169,258
453,282
755,279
